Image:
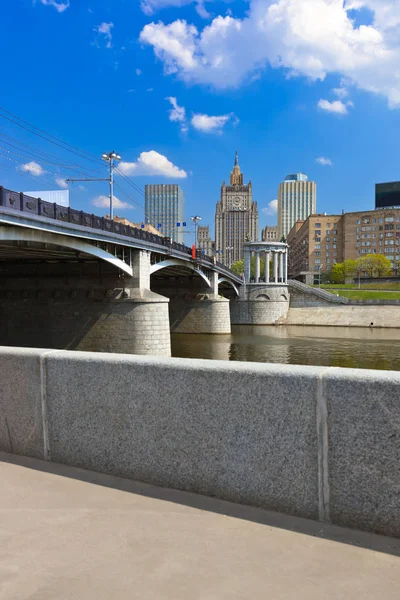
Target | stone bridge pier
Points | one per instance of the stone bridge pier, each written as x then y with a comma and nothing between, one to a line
195,304
264,297
83,305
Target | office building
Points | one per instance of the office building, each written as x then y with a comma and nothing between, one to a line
269,233
387,195
322,240
236,217
297,199
372,232
204,241
164,209
315,245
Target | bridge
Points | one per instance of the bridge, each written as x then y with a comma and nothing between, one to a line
76,280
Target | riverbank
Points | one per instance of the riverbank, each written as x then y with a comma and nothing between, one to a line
345,316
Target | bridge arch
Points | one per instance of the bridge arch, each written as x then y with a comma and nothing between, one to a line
175,262
20,234
226,280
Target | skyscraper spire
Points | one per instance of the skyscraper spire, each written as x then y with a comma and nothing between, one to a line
236,159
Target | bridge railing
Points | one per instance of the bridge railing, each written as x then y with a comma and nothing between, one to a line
19,201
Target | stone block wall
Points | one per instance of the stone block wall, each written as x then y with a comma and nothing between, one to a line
96,317
206,315
260,305
321,443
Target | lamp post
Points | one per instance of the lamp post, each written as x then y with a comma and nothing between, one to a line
195,220
319,280
111,157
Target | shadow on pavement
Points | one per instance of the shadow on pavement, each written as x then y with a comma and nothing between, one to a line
353,537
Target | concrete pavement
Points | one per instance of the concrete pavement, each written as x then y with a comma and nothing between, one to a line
67,534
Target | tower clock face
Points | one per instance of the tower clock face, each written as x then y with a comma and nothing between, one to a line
236,202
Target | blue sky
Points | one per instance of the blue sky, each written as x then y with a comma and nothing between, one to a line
290,83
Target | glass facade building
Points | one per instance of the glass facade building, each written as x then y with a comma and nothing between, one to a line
387,195
164,209
297,199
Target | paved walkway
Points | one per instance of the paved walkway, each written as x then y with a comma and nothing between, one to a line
66,538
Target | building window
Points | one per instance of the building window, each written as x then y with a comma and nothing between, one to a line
328,232
328,239
358,222
317,239
317,260
389,219
333,245
318,246
328,246
317,225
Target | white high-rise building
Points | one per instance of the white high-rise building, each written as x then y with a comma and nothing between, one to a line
164,209
297,199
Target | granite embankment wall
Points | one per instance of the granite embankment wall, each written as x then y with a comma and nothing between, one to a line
345,316
321,443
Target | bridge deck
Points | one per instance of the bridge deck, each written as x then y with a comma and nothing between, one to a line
74,534
20,210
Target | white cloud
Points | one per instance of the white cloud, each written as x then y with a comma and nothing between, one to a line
105,29
211,124
150,90
271,209
61,182
149,7
177,113
324,161
59,5
33,168
311,38
340,92
104,202
138,72
152,163
336,107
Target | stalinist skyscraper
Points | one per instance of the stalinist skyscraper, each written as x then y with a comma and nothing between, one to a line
236,217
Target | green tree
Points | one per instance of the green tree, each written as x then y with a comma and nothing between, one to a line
336,274
375,265
238,267
340,271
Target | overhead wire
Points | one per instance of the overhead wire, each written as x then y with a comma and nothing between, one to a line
49,159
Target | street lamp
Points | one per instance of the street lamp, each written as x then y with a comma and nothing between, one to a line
111,157
195,220
319,280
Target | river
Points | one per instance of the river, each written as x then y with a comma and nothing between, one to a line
360,348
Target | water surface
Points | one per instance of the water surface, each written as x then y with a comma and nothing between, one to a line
354,347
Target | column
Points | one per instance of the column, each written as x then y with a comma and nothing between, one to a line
275,259
247,264
281,266
214,283
257,267
267,260
286,266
